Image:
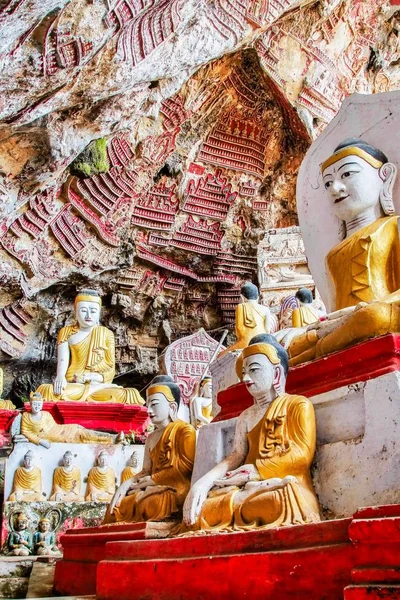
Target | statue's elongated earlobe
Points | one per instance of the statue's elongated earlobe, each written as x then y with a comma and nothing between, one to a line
388,173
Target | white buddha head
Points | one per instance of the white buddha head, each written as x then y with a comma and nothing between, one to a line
67,459
133,461
162,400
102,459
206,387
21,522
29,460
248,292
87,309
263,366
36,402
358,177
44,525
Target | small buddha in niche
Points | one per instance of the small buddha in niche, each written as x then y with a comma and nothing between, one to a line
131,468
265,481
157,493
4,404
365,266
67,481
86,359
101,480
40,428
27,485
251,318
19,542
44,540
201,404
305,314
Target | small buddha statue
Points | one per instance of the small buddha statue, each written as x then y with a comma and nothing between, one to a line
40,428
27,485
86,359
201,403
67,481
101,480
44,540
305,314
157,493
131,468
19,542
4,404
265,481
251,318
365,266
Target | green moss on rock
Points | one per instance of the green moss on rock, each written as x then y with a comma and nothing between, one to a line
92,161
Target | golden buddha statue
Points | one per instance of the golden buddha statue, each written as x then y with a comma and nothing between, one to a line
201,404
265,481
27,485
86,359
159,490
4,404
131,468
365,266
40,428
101,480
305,314
67,481
251,318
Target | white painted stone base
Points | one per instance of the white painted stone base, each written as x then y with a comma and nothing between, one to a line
357,462
223,376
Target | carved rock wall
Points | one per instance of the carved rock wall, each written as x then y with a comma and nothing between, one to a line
202,112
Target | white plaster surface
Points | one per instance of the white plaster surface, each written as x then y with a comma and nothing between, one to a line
357,462
372,117
223,376
84,458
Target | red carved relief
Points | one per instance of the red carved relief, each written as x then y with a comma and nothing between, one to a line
103,228
103,191
40,212
235,263
62,50
248,189
123,12
119,151
69,230
210,196
156,209
228,299
175,283
197,235
13,320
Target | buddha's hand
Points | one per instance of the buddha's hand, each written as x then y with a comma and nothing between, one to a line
194,502
92,377
141,484
120,494
60,383
239,476
44,443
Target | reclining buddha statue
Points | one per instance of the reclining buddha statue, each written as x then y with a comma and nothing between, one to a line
364,267
265,481
86,359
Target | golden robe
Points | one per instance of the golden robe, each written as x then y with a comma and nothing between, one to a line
67,483
30,483
249,321
172,461
303,316
46,428
101,483
94,354
127,473
365,267
281,444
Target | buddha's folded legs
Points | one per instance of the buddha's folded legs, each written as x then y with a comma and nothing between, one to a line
116,394
143,506
78,392
72,391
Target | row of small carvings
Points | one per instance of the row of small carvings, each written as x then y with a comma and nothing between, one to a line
67,480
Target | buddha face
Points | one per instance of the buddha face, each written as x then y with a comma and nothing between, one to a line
159,409
67,459
102,459
21,524
353,186
87,314
44,526
132,462
28,460
36,403
258,375
206,389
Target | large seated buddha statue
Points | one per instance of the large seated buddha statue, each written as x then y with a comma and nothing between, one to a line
251,318
158,492
364,267
86,359
265,481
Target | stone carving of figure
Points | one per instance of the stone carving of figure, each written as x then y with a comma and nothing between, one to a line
365,266
19,542
67,481
101,481
305,314
27,485
265,481
4,404
251,318
86,359
44,540
40,428
201,404
131,468
159,490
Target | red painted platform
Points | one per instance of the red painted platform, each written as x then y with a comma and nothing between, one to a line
103,417
365,361
358,557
